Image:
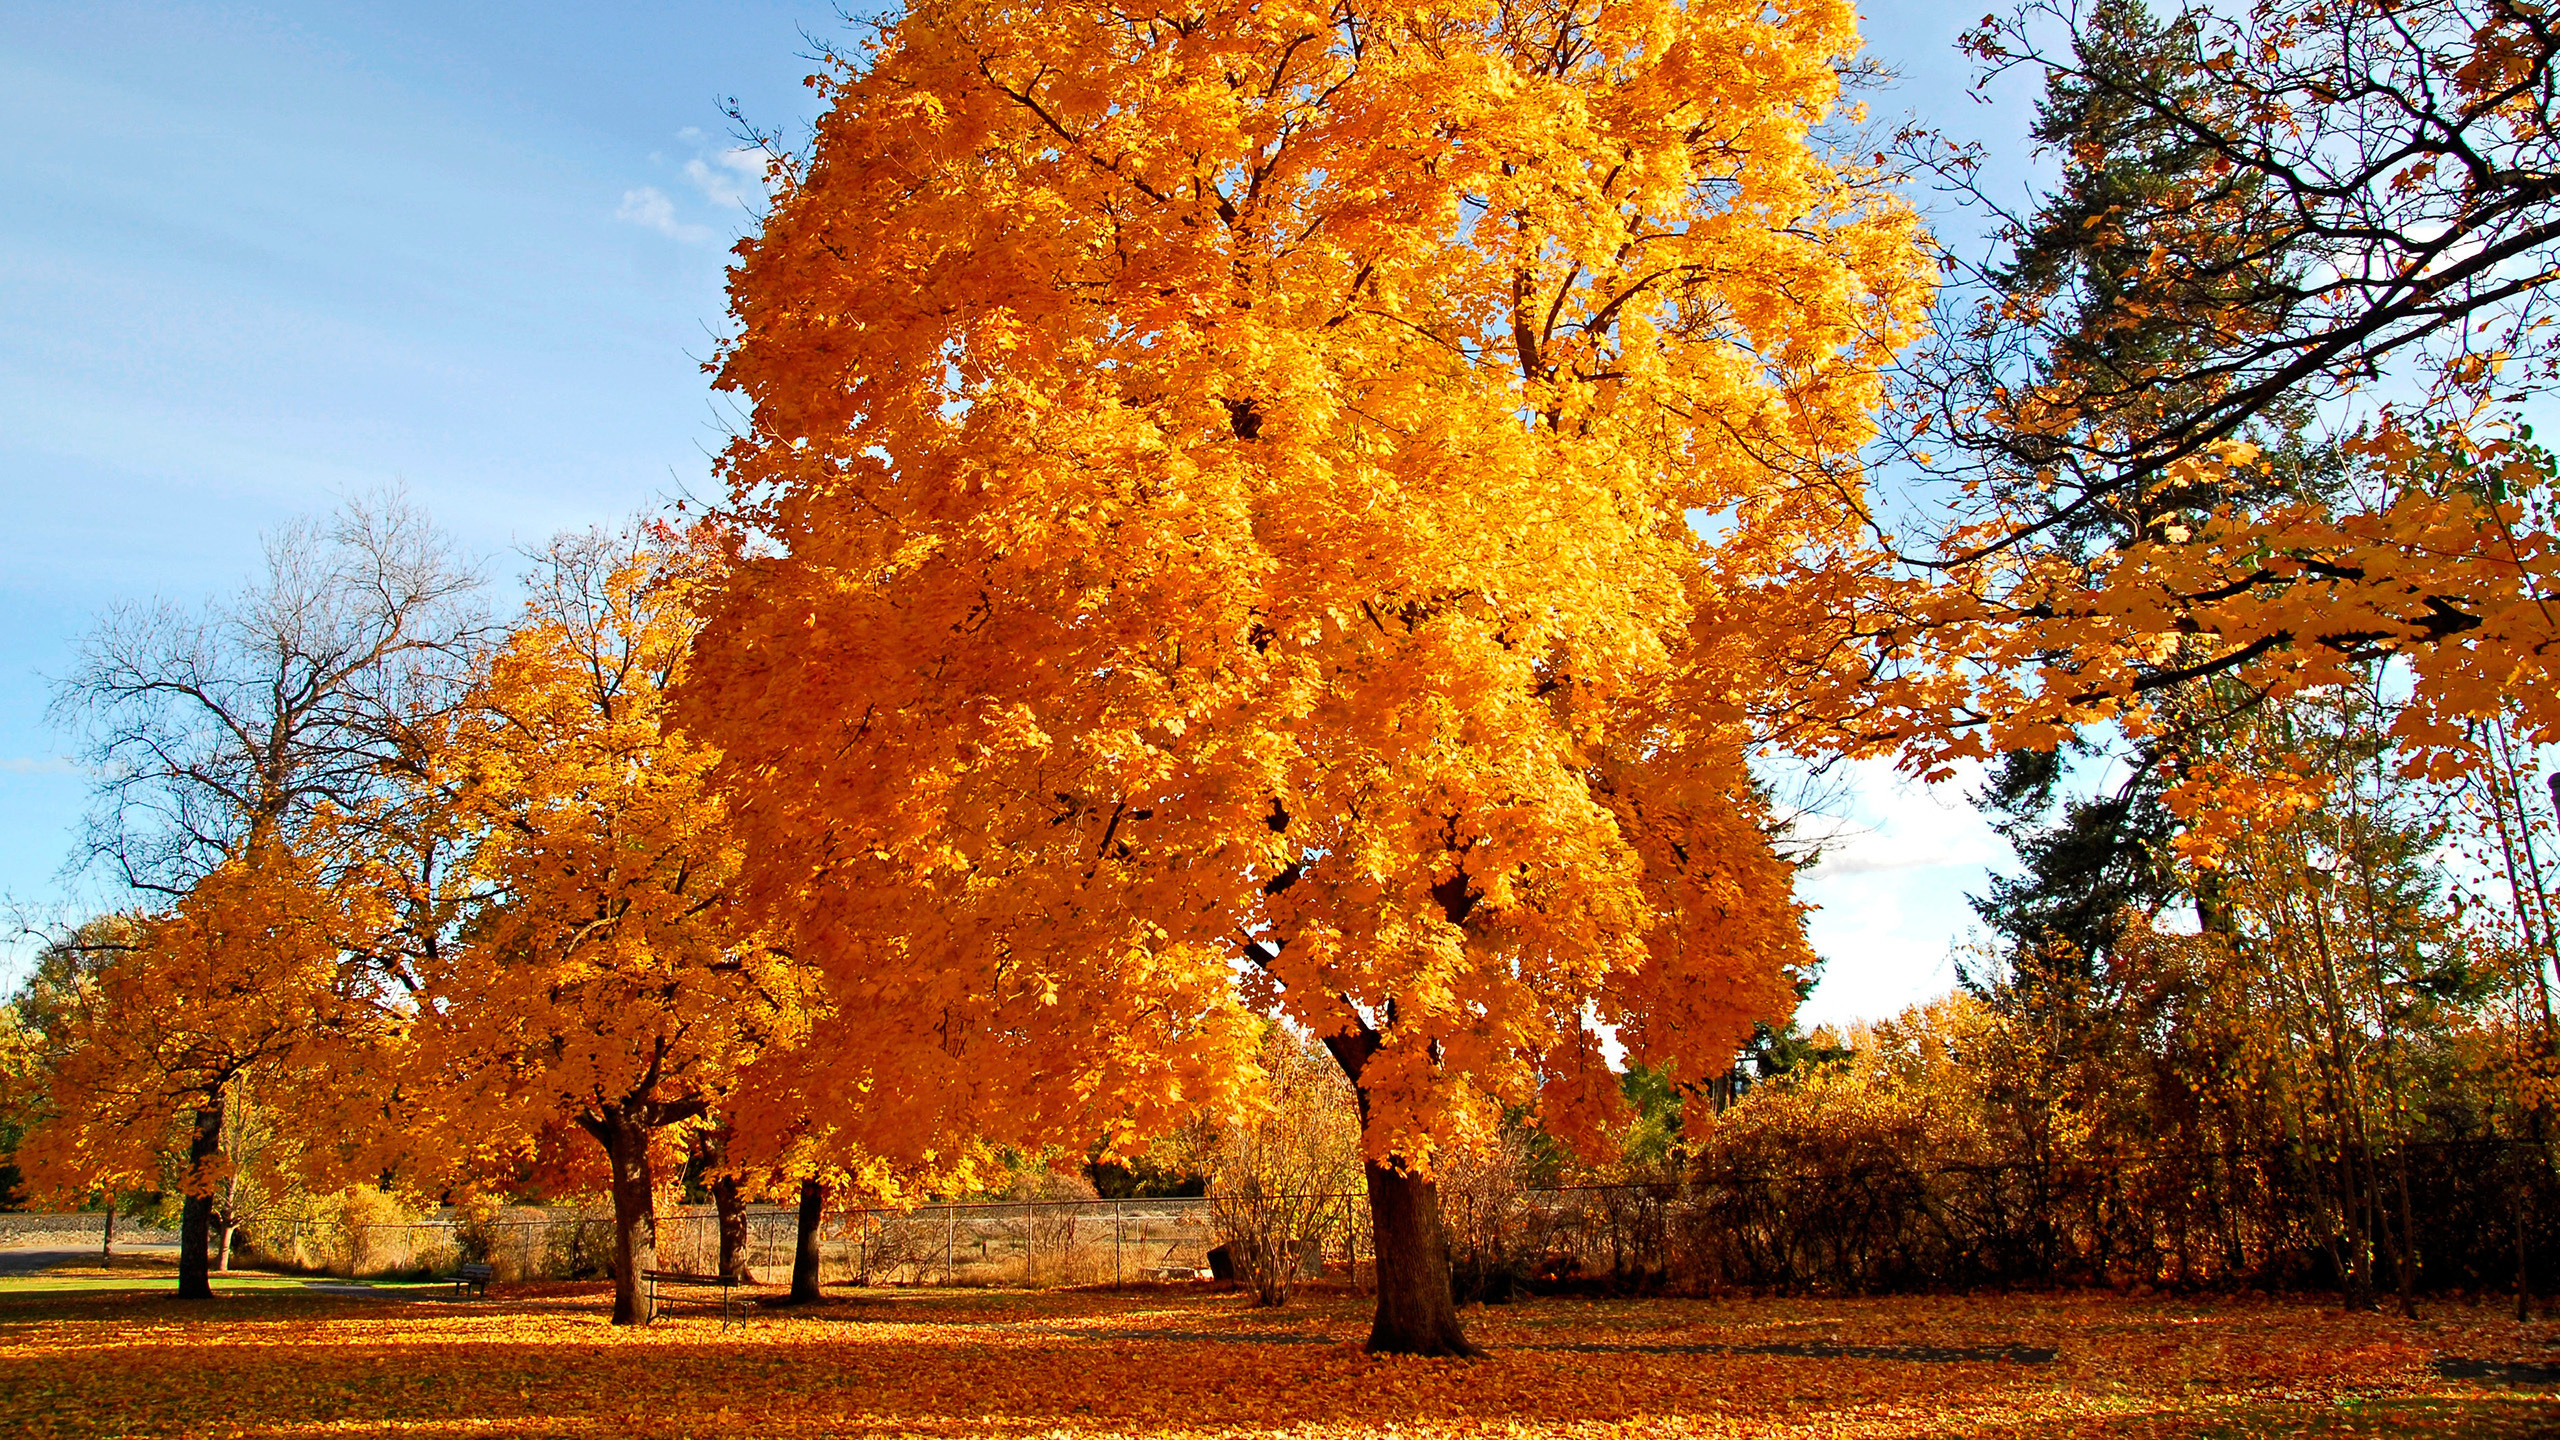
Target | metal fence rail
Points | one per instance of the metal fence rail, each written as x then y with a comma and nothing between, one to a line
1030,1244
2485,1213
1033,1244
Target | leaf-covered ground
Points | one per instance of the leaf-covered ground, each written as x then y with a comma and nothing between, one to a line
542,1361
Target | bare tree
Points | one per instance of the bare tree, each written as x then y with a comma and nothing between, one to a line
2263,209
220,732
314,685
1282,1180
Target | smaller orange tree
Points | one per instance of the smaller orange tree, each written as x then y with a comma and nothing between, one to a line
604,978
248,972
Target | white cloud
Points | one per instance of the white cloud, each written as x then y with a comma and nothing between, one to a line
1897,823
1891,890
37,765
735,178
732,176
1893,948
649,208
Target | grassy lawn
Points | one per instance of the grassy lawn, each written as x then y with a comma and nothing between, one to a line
279,1360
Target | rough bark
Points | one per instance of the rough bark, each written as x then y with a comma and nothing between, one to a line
733,1228
635,1219
804,1255
1417,1309
195,1216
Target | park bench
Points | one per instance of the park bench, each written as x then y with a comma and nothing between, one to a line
1171,1265
473,1277
686,1279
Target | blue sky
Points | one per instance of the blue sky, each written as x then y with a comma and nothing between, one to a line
257,257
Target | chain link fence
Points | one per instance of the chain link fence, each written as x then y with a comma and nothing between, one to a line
1615,1230
1623,1231
1012,1244
2486,1214
78,1230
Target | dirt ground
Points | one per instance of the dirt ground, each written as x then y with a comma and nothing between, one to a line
110,1353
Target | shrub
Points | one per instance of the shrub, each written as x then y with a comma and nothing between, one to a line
1282,1179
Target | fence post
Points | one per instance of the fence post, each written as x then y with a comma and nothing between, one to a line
1115,1244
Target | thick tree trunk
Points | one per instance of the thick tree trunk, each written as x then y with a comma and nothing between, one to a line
733,1228
804,1255
224,1263
1417,1310
635,1219
195,1216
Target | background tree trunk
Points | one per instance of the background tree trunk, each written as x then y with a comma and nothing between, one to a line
227,1218
804,1255
1417,1311
195,1217
635,1220
733,1228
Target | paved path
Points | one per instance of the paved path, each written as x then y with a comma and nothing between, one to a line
29,1262
32,1261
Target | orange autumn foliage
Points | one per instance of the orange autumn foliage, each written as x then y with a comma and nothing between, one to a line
605,967
252,969
1224,489
2443,553
605,980
1067,1365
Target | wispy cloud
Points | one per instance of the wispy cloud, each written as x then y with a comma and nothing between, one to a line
1891,892
730,178
733,176
36,765
649,208
1900,824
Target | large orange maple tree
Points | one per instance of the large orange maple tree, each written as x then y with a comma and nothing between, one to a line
1292,508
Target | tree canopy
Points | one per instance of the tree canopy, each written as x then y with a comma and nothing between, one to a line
1321,488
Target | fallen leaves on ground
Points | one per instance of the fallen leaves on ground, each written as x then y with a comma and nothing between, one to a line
541,1360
